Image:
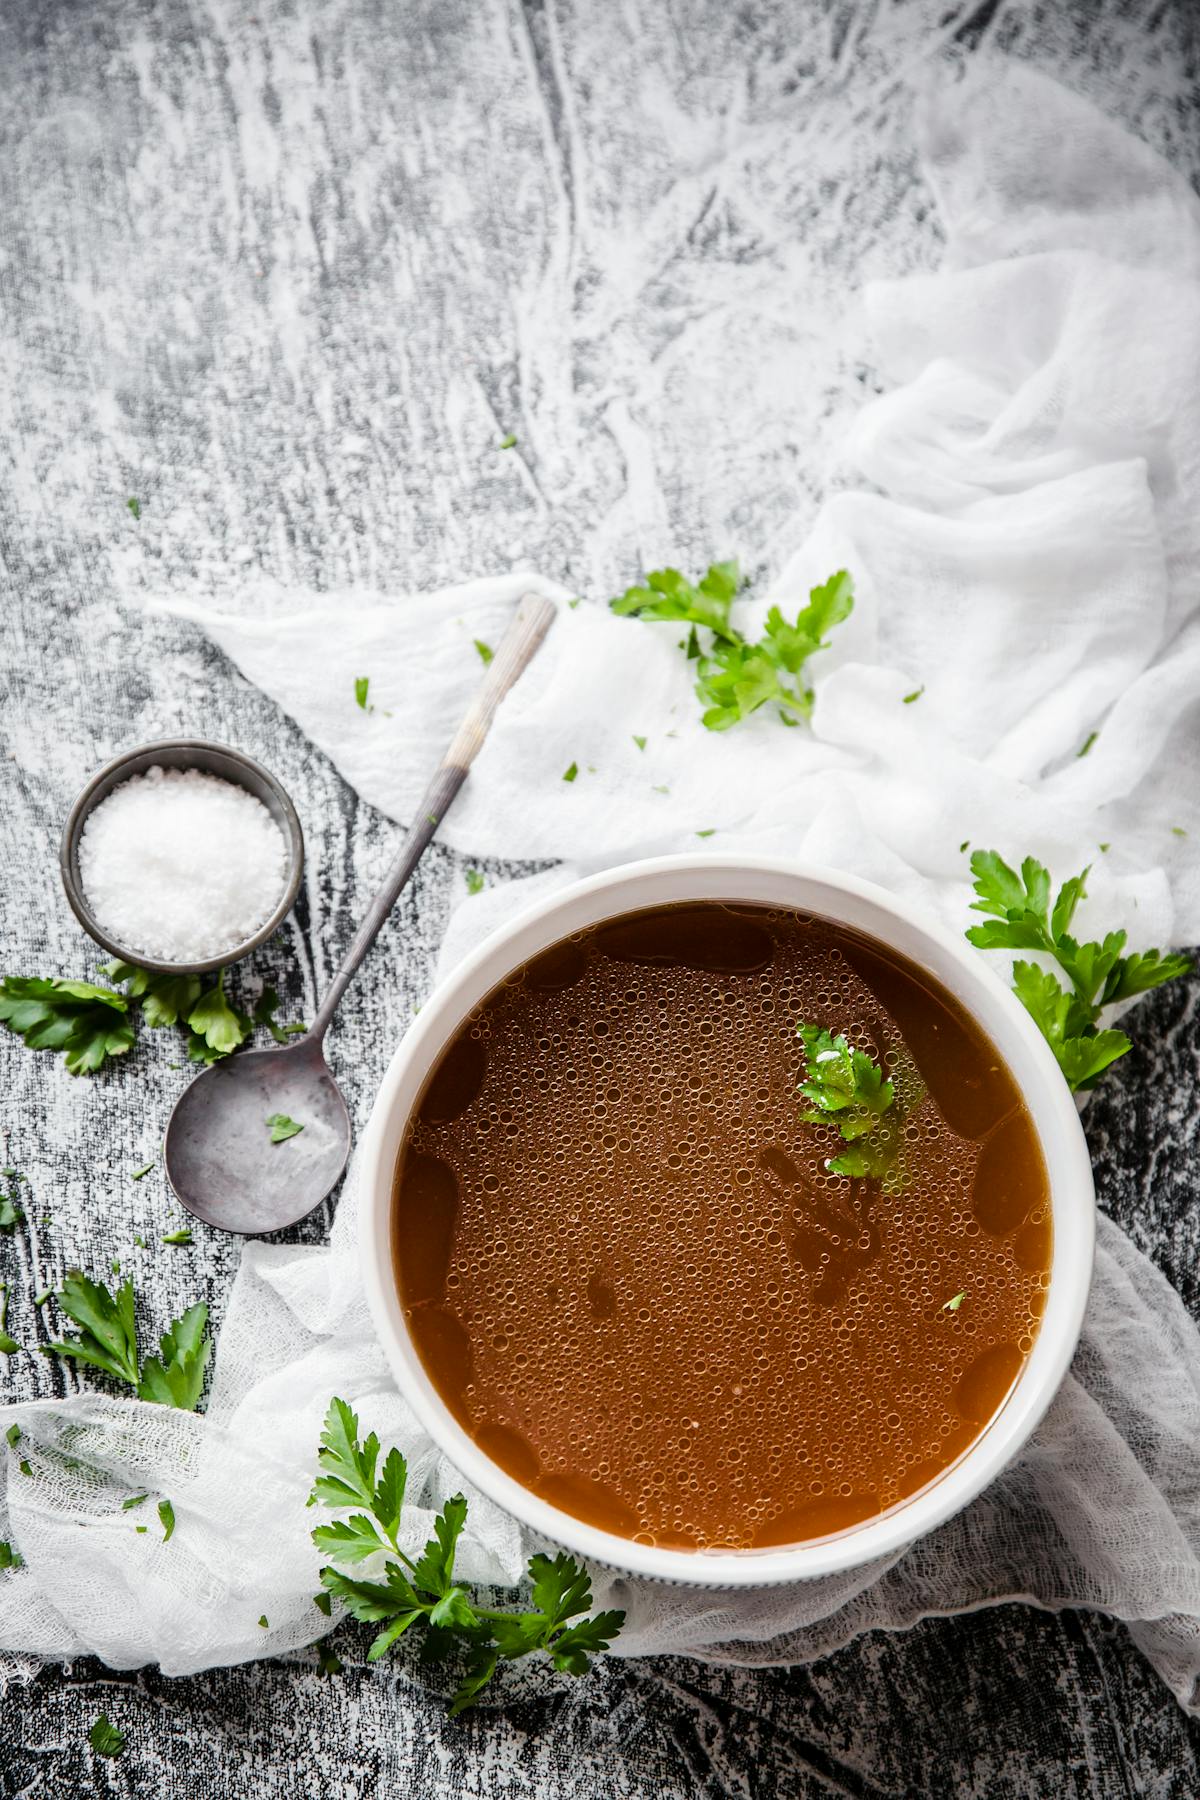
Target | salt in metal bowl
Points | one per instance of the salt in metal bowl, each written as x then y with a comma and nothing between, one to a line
210,759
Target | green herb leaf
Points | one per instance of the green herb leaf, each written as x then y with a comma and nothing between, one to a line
571,1651
1084,1059
10,1213
362,686
10,1558
182,1236
108,1335
435,1566
667,595
486,652
842,1081
454,1611
480,1670
138,1174
956,1300
108,1341
1087,743
13,1435
265,1622
88,1024
1144,970
264,1014
218,1025
736,677
135,506
846,1087
8,1345
639,741
104,1737
369,1601
175,1377
561,1589
165,998
389,1492
508,442
424,1593
475,882
1098,972
571,773
166,1513
323,1603
347,1469
351,1540
134,1500
283,1128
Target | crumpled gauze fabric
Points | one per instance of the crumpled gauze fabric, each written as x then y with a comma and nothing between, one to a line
1028,558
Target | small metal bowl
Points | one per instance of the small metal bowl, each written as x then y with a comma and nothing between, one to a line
210,759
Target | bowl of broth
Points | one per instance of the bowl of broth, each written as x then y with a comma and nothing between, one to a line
616,1278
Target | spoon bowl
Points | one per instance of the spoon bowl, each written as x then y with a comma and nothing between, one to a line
219,1154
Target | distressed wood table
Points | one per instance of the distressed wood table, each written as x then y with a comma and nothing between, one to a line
287,276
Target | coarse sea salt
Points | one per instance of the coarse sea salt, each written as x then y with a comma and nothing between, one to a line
181,866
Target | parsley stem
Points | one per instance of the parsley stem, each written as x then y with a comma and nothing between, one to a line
408,1562
1087,995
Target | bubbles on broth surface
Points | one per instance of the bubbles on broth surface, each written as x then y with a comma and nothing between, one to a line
633,1280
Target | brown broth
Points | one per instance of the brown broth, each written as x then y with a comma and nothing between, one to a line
631,1278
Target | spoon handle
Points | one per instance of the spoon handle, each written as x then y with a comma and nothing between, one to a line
527,628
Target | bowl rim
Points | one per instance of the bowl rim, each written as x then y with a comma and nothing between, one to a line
144,756
848,900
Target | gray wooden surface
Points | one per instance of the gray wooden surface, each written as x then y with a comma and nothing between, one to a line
279,273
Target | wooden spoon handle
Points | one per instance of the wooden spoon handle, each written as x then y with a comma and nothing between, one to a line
528,627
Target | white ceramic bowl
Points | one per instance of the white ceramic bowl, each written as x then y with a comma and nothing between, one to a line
846,901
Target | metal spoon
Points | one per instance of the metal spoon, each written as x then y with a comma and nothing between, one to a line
219,1154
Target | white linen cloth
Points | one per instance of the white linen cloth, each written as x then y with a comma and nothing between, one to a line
1032,564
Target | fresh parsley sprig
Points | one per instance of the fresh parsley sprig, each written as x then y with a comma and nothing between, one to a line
91,1024
107,1340
1023,917
735,677
87,1023
846,1087
214,1028
423,1592
843,1083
